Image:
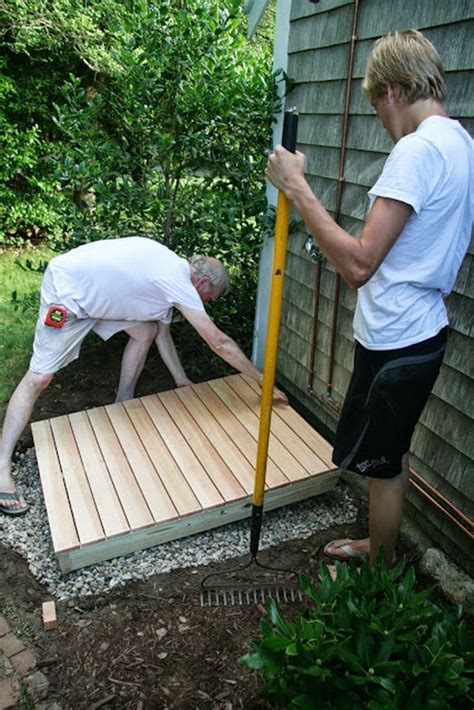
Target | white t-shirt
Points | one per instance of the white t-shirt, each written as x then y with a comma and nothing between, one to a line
128,279
432,170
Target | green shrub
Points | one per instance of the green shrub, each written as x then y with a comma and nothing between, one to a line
28,200
20,276
110,110
366,640
171,142
138,117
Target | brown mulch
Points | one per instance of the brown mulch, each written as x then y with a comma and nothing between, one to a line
151,644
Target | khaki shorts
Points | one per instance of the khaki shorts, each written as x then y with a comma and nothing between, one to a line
54,348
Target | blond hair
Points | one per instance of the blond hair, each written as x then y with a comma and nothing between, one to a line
408,60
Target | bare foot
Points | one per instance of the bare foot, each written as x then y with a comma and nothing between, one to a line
124,396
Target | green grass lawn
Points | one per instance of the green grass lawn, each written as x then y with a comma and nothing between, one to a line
17,321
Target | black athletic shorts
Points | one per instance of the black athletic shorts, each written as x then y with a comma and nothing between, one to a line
386,395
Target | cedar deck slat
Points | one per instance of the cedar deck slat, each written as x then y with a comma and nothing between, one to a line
276,451
220,439
61,521
87,520
209,457
310,436
153,490
203,487
245,441
131,475
281,430
113,518
125,483
184,499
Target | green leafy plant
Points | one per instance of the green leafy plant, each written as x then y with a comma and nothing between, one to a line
367,639
20,276
171,141
161,111
139,117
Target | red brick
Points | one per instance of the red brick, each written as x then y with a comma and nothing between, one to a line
4,628
10,645
23,662
9,691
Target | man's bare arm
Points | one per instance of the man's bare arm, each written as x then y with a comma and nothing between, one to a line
224,346
355,259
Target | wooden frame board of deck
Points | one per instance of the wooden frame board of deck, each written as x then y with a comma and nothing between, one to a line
127,476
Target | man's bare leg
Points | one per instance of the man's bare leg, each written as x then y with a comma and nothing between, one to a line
386,497
133,359
18,413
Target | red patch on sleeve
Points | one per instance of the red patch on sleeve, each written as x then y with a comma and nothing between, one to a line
56,316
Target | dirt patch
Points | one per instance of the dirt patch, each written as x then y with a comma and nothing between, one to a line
150,644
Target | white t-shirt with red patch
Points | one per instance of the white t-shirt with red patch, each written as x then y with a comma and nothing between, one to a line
128,279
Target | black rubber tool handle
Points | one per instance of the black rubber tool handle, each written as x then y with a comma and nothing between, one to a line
290,129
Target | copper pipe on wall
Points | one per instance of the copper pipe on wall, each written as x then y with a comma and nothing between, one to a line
462,521
332,351
314,334
442,509
340,182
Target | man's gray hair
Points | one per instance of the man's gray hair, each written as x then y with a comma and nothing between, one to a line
214,269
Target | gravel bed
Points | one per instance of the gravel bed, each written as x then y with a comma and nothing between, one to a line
29,535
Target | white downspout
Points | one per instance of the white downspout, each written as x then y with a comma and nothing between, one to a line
280,61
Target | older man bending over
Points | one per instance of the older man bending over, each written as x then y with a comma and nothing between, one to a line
129,284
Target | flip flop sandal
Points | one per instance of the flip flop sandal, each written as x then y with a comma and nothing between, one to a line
12,511
348,552
344,547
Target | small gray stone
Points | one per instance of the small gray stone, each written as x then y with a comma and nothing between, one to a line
37,685
455,583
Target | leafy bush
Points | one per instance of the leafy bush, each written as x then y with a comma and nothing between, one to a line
41,43
171,143
367,640
27,199
137,117
111,110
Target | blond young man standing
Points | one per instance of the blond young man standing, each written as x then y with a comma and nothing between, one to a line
403,264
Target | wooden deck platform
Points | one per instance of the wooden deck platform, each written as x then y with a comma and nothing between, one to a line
127,476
